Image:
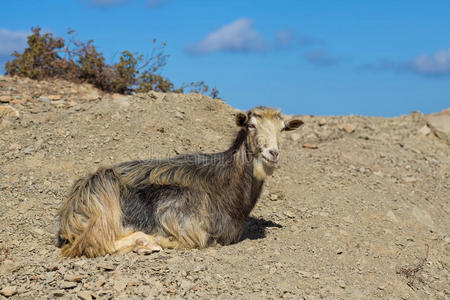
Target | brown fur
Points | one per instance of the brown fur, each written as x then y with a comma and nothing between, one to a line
184,202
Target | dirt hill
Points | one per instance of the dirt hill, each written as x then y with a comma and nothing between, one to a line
350,214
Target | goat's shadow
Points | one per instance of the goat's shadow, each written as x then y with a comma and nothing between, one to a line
255,228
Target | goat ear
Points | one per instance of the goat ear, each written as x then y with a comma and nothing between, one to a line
241,119
293,124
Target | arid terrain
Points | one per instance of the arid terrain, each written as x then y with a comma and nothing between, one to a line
358,209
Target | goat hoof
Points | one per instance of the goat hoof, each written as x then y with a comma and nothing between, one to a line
147,249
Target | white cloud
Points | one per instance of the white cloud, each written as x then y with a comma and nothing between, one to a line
11,41
320,58
238,36
437,64
284,38
289,38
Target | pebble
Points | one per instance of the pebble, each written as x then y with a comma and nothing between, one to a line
295,137
348,219
84,295
349,128
290,214
310,146
43,99
73,277
14,147
67,285
425,130
179,115
9,291
5,99
273,197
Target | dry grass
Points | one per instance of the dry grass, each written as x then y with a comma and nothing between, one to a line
411,272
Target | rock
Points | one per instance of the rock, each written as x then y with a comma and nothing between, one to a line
310,146
348,219
84,295
439,124
391,216
409,178
349,128
43,99
186,285
5,99
322,122
289,214
54,97
67,285
58,293
8,112
422,216
424,130
73,277
14,147
9,291
378,173
120,285
273,197
305,274
294,137
8,266
92,96
179,115
106,266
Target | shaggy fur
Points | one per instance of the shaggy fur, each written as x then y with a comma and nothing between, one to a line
194,200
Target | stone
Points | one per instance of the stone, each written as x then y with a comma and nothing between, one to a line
295,137
92,96
409,178
179,115
391,216
439,124
424,130
378,173
54,97
84,295
289,214
67,285
58,293
7,266
43,99
5,99
73,277
8,112
14,147
9,291
273,197
310,146
349,128
348,219
422,216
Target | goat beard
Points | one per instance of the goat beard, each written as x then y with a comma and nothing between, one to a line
260,169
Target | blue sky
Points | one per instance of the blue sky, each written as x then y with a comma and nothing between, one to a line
379,58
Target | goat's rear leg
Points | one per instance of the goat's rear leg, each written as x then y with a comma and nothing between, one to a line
138,242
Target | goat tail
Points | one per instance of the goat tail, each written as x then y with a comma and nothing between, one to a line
90,219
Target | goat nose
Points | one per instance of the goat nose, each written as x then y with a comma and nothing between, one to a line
274,153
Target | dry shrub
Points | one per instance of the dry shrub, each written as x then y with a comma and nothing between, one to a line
52,57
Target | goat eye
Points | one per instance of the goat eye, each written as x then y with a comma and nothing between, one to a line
251,126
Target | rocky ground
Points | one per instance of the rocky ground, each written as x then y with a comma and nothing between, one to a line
359,208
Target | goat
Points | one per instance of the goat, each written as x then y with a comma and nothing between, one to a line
188,201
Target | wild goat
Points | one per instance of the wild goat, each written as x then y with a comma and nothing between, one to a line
188,201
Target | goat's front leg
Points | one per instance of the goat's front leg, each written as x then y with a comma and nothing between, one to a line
138,242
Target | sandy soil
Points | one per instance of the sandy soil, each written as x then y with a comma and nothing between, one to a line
353,208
